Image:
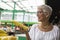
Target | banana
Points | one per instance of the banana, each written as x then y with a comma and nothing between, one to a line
3,33
20,25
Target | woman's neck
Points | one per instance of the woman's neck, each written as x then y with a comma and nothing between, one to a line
45,23
45,26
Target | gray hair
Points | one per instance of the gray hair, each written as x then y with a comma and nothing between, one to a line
46,8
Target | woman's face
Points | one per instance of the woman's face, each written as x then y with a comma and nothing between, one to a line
42,16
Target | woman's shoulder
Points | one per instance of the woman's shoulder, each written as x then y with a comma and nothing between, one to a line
34,25
56,27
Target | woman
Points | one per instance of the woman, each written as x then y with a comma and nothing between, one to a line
44,30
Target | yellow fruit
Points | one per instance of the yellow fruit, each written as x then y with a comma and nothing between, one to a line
13,38
6,38
0,38
20,25
3,33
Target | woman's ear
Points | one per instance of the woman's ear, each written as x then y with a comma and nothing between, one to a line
47,14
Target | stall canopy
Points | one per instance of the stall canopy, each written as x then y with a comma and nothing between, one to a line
27,5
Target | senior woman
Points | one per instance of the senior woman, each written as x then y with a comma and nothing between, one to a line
44,30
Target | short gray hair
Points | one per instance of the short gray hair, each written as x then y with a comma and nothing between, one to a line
46,8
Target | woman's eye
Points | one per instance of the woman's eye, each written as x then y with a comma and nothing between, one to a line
39,12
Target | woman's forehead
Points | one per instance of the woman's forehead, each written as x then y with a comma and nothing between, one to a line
39,9
43,10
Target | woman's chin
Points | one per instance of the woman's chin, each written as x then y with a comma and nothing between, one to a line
40,20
